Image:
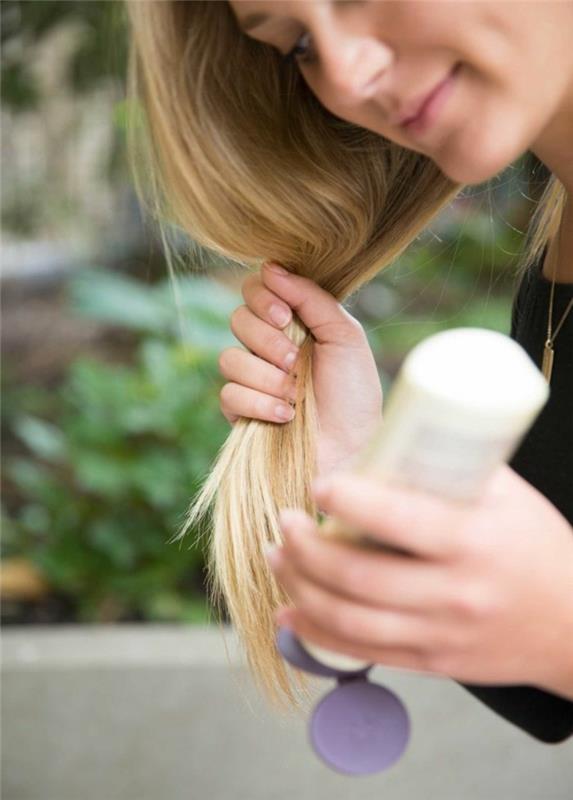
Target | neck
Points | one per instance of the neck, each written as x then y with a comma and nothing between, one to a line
561,246
553,148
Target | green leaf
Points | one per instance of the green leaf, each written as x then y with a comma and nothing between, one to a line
31,477
20,90
43,438
110,539
118,300
101,473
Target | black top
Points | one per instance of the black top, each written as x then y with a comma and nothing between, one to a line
545,459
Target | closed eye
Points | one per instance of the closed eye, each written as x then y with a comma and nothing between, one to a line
300,50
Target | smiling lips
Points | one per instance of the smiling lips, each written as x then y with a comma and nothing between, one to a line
416,109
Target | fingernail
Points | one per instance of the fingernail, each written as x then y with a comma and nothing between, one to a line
290,359
275,268
285,412
279,315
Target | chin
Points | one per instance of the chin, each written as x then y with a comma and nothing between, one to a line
478,163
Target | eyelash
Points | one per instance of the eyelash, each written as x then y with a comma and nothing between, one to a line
293,56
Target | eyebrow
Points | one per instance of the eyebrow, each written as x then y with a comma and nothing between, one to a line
250,21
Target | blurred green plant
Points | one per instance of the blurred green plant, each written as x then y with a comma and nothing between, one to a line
100,55
106,481
95,59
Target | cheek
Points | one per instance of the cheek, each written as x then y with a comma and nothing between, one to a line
489,128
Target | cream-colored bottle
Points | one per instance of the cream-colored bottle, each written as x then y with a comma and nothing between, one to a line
459,407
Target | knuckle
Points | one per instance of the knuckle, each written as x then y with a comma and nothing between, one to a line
224,361
441,639
451,649
437,649
489,605
235,318
343,624
248,285
461,604
474,602
224,394
437,660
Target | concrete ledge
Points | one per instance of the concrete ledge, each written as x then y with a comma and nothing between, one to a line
40,647
156,712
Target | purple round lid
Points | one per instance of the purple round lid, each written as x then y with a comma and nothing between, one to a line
360,727
294,652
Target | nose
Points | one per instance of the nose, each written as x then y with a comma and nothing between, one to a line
352,68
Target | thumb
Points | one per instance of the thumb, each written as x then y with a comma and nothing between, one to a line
320,311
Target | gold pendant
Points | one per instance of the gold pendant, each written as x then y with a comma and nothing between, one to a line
547,364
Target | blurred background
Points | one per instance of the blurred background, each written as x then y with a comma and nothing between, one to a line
110,384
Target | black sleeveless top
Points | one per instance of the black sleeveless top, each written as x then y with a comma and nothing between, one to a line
545,459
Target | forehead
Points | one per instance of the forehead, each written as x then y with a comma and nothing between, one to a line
251,14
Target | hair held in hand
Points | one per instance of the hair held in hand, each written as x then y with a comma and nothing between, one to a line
227,142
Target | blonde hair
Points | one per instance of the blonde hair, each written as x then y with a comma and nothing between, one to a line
235,149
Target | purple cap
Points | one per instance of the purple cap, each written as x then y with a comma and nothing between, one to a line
360,727
357,728
293,651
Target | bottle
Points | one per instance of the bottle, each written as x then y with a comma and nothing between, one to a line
461,404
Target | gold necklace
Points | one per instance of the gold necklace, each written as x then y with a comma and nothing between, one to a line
548,353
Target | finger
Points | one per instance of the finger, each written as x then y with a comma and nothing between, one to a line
249,370
416,521
379,580
263,339
353,622
267,305
400,657
320,311
240,401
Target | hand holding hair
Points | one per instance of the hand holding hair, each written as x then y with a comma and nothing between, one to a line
341,358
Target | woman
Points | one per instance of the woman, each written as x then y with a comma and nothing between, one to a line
325,136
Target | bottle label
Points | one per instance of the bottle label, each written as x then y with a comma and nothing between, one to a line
448,461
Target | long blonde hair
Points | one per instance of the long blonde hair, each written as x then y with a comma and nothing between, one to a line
235,149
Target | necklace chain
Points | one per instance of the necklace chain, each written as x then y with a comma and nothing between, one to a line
548,352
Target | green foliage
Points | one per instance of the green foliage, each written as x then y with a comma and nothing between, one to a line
19,88
105,483
93,58
101,53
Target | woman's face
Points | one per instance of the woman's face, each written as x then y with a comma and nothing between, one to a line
372,63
